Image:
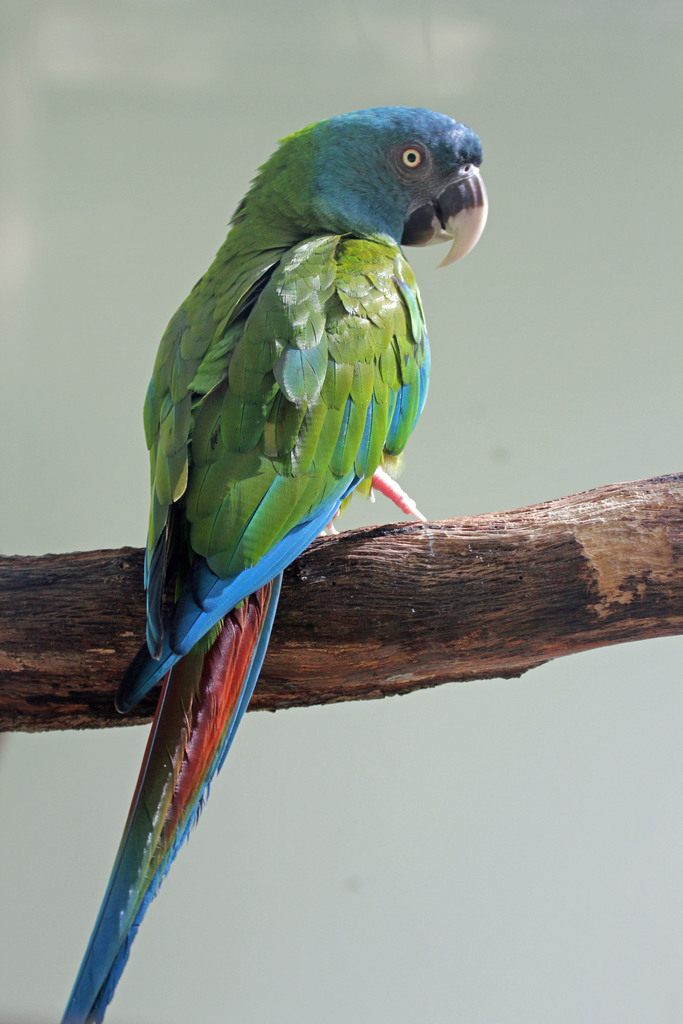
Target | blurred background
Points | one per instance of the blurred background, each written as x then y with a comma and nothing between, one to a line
492,853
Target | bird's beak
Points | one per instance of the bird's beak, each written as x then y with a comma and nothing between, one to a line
458,212
463,208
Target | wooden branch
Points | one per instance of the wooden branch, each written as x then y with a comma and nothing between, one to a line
375,611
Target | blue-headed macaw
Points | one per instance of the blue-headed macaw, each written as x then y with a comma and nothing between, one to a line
292,374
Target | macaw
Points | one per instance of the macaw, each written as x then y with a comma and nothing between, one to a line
292,374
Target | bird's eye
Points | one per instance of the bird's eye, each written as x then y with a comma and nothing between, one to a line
411,157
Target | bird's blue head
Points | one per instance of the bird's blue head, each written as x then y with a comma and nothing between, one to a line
405,172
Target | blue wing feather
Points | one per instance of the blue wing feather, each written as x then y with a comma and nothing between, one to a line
192,620
408,405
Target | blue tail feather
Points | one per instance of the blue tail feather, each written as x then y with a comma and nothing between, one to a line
112,936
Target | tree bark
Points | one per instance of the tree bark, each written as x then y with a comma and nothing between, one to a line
372,612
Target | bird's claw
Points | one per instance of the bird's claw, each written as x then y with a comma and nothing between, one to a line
330,530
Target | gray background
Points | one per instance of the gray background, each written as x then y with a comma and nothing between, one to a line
496,852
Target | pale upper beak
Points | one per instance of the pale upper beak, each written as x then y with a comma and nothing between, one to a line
458,213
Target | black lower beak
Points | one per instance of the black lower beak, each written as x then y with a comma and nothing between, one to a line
421,226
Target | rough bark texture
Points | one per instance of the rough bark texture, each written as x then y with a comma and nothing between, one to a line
373,612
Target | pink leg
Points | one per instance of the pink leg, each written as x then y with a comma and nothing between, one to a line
383,483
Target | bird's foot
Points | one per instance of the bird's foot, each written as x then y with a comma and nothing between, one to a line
383,483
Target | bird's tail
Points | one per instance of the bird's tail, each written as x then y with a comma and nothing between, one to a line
202,701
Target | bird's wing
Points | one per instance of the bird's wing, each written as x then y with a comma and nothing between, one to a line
326,368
